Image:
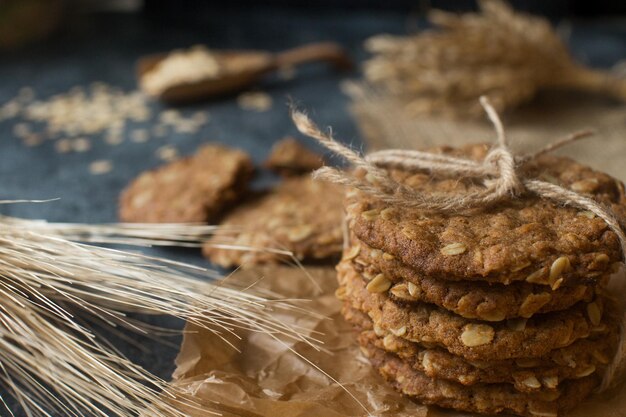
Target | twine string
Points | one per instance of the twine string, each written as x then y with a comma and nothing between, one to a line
499,171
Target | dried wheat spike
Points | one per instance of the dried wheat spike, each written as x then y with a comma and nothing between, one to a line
506,55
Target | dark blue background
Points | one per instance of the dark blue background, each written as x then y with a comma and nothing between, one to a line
104,48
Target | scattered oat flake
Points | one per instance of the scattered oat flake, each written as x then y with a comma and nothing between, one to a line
167,153
100,167
32,140
159,130
186,126
200,117
10,109
139,136
256,101
21,130
81,145
169,116
80,111
114,138
63,146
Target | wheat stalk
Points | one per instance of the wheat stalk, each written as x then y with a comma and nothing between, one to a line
50,361
505,55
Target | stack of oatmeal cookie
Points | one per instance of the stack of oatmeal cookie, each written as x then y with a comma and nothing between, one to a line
499,310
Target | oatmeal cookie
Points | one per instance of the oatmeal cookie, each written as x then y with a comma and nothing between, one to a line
289,157
194,189
528,238
469,299
480,398
471,339
300,215
581,358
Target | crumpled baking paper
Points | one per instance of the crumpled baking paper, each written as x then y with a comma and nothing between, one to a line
265,379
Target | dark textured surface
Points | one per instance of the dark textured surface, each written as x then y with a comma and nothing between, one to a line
104,48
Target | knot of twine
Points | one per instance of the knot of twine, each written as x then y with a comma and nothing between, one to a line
498,171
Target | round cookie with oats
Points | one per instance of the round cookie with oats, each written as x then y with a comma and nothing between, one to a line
469,299
299,216
487,398
470,339
527,239
193,189
577,360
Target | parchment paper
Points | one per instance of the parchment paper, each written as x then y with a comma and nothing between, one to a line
265,379
552,115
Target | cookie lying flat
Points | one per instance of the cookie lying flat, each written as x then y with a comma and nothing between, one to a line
468,338
523,239
469,299
481,398
193,189
289,157
300,215
580,359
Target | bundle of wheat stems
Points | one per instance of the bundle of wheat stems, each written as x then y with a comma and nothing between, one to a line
54,291
506,55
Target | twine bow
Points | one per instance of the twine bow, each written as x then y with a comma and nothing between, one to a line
499,171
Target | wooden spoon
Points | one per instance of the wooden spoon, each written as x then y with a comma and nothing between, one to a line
241,69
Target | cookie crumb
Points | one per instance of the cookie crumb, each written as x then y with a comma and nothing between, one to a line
289,157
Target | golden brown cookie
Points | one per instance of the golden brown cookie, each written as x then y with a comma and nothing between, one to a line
580,359
469,299
300,215
528,238
194,189
471,339
289,157
480,398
